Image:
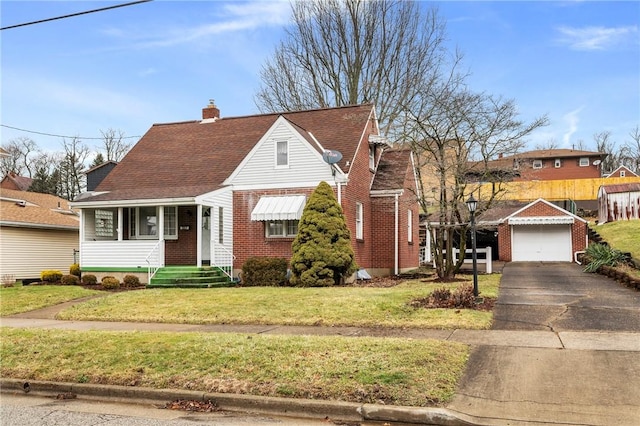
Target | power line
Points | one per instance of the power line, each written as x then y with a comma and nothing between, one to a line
61,136
75,14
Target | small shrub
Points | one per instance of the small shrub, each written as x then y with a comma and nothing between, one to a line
131,281
441,295
601,255
463,297
264,271
75,270
110,283
50,276
69,280
8,280
89,279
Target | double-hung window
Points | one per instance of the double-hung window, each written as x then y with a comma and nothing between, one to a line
144,223
281,228
584,161
359,221
282,154
537,164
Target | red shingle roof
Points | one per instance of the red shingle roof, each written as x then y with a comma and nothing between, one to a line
187,159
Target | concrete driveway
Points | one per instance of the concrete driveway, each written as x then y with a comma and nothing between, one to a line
560,297
511,385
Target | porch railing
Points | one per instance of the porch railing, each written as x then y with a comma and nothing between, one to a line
155,260
223,259
487,259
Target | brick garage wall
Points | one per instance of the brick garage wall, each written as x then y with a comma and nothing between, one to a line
184,250
540,209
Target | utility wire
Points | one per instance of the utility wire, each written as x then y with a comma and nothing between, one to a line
61,136
75,14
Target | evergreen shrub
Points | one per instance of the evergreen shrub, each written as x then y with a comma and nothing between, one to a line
69,280
110,283
89,279
51,276
75,270
264,271
131,281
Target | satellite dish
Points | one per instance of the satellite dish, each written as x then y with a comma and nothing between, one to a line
331,157
595,163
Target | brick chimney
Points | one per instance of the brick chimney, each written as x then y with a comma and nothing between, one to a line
210,111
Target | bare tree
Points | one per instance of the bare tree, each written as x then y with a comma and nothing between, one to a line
20,161
113,143
345,52
549,144
72,179
605,145
458,132
631,150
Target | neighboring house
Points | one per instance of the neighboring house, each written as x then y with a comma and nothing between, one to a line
545,164
220,190
618,202
96,174
622,171
37,232
15,182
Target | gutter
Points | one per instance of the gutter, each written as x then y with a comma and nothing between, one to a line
39,226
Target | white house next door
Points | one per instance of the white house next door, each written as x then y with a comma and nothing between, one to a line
541,242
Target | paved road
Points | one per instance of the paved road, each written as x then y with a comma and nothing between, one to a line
575,385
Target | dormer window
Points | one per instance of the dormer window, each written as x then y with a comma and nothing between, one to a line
584,161
282,154
537,164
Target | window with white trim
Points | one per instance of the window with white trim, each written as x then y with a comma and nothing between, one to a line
537,164
282,154
144,223
410,226
557,163
104,224
359,221
584,161
622,173
281,228
372,157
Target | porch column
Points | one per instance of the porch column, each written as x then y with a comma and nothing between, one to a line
161,223
199,235
120,227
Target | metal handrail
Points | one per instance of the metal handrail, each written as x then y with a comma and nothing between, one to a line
228,270
154,252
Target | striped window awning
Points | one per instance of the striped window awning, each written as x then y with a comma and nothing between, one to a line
541,220
288,207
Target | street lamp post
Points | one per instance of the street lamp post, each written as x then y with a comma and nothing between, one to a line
472,205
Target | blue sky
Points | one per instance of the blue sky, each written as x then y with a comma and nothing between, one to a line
161,61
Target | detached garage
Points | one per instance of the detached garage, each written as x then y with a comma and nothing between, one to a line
539,232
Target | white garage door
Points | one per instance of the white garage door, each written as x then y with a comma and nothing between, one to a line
541,243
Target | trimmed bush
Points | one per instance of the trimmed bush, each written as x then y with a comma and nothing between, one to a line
110,283
75,270
51,276
89,279
264,271
131,281
69,280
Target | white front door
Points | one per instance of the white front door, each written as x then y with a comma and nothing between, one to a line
536,243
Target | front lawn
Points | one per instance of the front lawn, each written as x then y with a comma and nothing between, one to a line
328,306
372,370
14,300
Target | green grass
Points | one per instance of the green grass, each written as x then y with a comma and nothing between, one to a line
623,235
396,371
20,298
328,306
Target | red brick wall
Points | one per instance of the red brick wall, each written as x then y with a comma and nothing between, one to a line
570,169
184,250
578,230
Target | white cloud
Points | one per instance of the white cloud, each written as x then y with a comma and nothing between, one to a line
572,119
231,18
596,38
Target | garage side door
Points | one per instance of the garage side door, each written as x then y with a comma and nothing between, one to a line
551,243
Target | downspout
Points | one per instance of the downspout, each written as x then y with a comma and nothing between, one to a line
339,193
397,240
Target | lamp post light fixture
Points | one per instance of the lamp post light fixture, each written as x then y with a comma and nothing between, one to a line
472,205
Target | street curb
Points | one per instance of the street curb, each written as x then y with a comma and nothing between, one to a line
309,408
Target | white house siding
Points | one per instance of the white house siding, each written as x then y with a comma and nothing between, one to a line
26,252
116,254
216,200
304,161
